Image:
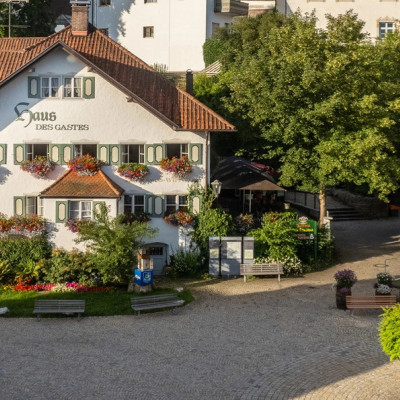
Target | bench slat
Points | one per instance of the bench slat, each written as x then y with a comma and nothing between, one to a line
59,307
261,269
369,302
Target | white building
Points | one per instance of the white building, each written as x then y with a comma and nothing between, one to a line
79,92
380,16
165,32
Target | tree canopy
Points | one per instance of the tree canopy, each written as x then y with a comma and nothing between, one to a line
324,104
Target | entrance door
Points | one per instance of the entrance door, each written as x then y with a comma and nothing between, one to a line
158,253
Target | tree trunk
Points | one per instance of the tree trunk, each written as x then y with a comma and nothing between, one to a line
322,207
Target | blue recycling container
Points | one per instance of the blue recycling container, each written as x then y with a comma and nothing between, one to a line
143,278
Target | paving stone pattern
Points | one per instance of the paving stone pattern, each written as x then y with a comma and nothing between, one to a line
259,340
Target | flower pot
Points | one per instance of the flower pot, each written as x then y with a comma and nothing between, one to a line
341,300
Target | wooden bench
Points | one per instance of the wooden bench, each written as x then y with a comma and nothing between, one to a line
369,302
157,301
59,307
261,269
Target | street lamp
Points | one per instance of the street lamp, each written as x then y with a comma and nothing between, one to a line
9,11
216,187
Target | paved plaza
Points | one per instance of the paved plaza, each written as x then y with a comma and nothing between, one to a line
259,340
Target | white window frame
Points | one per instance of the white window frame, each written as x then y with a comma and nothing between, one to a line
73,87
30,150
50,87
132,206
40,206
384,29
181,202
125,153
146,30
80,209
31,206
78,152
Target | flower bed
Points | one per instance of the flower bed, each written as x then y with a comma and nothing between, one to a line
85,165
179,218
39,166
178,166
133,171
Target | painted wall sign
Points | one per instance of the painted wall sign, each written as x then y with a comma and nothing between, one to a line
27,116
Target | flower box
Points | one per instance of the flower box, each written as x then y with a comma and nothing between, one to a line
39,166
75,224
178,166
179,218
133,171
85,165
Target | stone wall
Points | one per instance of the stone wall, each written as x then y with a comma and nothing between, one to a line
366,206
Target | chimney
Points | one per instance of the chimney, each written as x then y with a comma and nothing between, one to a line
189,81
80,17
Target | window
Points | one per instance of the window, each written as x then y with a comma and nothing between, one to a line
132,153
31,206
50,86
385,28
148,31
40,206
177,150
150,1
105,3
156,251
174,203
80,209
133,204
83,149
73,87
36,149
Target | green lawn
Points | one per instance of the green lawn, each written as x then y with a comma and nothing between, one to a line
116,302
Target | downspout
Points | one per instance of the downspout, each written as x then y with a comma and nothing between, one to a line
207,164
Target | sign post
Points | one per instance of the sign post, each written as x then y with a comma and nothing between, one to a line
307,229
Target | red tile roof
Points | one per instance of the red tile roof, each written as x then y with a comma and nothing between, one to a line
122,68
72,185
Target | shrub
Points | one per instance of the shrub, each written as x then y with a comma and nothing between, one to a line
244,222
185,262
389,332
384,278
24,256
291,265
275,237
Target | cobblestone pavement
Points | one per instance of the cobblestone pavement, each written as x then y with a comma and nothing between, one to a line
259,340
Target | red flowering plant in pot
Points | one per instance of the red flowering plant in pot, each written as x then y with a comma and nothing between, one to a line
85,165
179,218
178,166
40,166
133,171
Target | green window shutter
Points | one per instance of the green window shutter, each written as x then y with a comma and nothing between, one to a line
3,154
88,88
159,152
195,203
34,87
148,203
19,205
55,153
96,206
62,211
196,153
66,153
149,154
158,206
115,154
19,153
103,153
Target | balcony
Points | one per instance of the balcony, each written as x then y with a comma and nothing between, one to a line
233,8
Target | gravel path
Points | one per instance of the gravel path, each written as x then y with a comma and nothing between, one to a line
259,340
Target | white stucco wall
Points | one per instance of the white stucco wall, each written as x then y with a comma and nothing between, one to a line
371,12
109,118
180,29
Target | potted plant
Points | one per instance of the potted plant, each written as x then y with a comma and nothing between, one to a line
244,222
383,290
133,171
85,165
178,166
179,218
40,166
345,279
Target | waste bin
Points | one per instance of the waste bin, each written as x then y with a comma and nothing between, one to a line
144,277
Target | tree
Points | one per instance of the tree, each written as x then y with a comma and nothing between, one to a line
28,19
326,107
113,244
